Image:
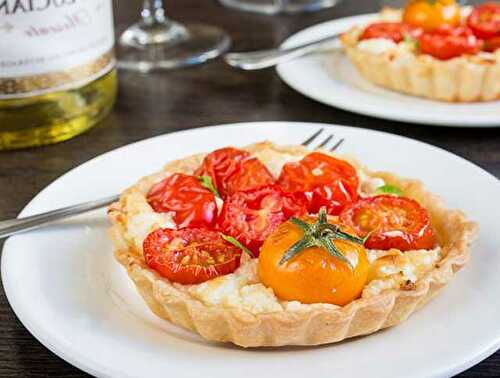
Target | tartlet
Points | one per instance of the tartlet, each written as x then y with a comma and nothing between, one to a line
401,67
284,323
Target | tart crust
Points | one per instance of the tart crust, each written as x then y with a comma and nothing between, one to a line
307,325
469,78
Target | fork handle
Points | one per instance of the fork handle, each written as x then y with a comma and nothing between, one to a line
15,226
256,60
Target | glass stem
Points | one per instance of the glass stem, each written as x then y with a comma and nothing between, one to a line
153,12
280,4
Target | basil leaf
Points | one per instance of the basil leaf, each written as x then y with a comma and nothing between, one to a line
206,182
237,244
412,41
389,189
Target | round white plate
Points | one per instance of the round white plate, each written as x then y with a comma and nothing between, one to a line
66,288
330,78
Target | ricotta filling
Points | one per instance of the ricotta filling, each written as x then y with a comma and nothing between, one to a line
377,45
275,163
368,185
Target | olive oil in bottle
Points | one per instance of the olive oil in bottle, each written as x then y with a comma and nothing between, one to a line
57,69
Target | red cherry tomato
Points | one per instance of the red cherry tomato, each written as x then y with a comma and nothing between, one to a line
322,180
391,222
395,31
250,175
194,206
492,44
485,20
447,43
191,255
252,216
234,170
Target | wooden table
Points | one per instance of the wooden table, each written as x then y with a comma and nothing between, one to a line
150,105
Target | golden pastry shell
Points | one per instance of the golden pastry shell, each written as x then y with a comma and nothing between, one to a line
309,325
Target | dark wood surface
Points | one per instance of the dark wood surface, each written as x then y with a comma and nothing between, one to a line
150,105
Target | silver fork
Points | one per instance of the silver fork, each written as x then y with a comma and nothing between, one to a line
16,226
257,60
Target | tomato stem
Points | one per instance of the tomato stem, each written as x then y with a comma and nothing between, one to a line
320,234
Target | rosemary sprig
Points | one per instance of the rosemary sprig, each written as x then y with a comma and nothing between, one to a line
237,244
320,234
206,182
389,189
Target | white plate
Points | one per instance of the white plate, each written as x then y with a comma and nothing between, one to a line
66,288
331,79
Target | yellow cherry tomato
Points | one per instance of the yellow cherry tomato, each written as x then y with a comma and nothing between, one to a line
431,14
312,275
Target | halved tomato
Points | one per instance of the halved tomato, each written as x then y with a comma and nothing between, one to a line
447,43
190,256
234,170
251,216
391,222
322,180
250,175
396,31
193,205
484,20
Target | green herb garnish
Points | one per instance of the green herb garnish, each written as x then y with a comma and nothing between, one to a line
206,182
412,41
236,243
320,234
389,189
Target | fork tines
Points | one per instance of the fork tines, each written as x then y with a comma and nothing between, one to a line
325,143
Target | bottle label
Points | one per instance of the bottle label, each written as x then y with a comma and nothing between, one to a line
53,45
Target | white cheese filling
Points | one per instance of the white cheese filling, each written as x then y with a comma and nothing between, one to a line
368,185
141,225
377,45
274,163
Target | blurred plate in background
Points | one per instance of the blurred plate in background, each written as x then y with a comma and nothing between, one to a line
332,80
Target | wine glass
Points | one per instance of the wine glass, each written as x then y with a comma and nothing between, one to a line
157,42
279,6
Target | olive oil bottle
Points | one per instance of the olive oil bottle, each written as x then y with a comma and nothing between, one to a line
57,69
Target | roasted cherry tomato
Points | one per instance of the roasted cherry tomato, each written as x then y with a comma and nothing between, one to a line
391,222
431,15
492,44
485,21
396,31
313,275
252,215
322,180
234,170
191,255
447,43
251,174
193,205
